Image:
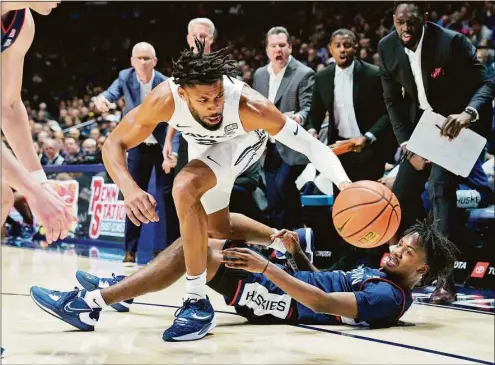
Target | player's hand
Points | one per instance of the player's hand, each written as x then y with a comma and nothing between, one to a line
169,159
290,239
53,213
140,207
344,185
453,125
243,259
169,164
102,104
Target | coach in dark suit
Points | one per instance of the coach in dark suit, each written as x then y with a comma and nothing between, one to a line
288,84
426,67
351,92
134,84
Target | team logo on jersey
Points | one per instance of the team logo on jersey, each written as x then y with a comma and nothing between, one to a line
257,297
230,129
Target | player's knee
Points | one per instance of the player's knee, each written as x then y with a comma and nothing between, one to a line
187,189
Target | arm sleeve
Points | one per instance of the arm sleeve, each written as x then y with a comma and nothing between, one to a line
294,136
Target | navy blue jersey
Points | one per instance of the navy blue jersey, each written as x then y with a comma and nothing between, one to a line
380,301
12,23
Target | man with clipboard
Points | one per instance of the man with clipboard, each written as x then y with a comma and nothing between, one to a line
427,67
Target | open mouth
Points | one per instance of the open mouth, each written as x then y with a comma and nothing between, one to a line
392,261
343,57
214,120
279,58
406,37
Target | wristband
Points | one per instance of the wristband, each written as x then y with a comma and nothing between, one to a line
39,176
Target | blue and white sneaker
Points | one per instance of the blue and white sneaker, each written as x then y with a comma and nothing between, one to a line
92,282
193,321
307,242
70,307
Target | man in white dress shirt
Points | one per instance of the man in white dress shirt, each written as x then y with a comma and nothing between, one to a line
288,84
350,91
134,84
426,67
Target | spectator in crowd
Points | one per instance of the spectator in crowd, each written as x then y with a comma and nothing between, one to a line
457,88
71,150
51,153
480,35
75,133
89,146
135,84
94,133
288,84
350,91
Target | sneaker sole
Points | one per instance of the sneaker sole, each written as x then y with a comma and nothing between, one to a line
53,312
193,336
88,285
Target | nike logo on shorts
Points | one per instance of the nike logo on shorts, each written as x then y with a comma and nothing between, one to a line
209,158
183,126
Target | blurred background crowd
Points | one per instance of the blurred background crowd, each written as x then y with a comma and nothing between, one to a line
64,74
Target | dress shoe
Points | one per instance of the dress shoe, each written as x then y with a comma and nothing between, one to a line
129,259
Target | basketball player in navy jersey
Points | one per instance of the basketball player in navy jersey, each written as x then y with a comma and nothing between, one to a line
225,123
25,174
267,293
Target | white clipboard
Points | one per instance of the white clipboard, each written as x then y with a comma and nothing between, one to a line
458,156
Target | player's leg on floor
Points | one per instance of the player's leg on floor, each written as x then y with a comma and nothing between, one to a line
81,308
7,200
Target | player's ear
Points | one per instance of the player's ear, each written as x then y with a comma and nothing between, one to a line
423,269
182,93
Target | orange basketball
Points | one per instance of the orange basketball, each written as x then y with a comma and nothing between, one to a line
366,214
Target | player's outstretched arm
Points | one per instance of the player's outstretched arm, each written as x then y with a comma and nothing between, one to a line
258,112
340,304
134,128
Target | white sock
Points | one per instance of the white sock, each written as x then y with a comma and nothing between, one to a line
277,244
196,286
94,299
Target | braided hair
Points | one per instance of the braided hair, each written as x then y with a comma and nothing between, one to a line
199,68
440,251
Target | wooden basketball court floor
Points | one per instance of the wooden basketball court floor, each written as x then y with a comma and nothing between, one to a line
431,335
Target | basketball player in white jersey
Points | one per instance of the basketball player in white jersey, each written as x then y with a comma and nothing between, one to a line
225,123
25,174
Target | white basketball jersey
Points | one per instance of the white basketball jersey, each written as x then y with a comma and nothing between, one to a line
194,133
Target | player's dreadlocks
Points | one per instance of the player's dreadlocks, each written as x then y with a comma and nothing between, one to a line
440,252
199,68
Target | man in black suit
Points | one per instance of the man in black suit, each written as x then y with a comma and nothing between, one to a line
426,67
351,91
